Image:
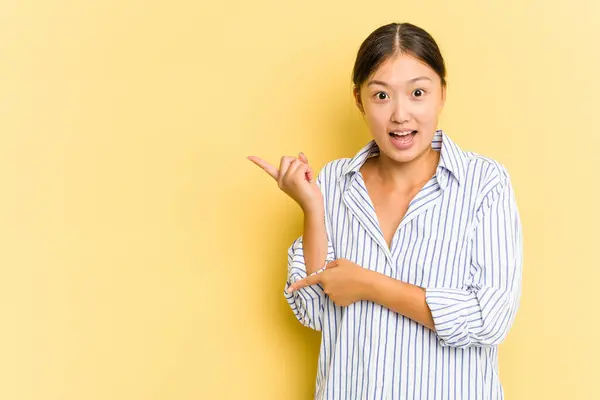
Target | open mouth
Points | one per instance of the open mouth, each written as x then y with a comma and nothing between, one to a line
403,136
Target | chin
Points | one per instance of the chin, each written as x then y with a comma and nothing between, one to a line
403,157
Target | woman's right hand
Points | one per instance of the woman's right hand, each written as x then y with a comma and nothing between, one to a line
295,178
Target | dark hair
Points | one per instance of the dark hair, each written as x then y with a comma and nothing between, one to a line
393,39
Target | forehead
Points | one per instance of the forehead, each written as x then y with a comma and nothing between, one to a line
403,67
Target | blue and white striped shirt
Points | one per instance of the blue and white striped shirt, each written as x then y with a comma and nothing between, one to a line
460,240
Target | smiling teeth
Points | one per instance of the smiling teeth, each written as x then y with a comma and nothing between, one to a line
402,133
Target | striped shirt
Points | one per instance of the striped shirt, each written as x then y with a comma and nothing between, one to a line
460,240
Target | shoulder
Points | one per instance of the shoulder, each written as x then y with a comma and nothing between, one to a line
488,180
332,171
485,171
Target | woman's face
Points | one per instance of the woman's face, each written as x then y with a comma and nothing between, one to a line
401,102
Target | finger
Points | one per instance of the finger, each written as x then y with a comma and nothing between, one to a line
309,174
332,264
302,157
284,164
301,171
294,166
310,280
268,168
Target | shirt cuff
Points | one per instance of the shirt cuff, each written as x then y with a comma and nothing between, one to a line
454,313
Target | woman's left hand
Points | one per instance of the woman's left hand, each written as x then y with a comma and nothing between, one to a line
343,281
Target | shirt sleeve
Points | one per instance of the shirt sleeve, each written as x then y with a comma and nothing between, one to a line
307,303
482,312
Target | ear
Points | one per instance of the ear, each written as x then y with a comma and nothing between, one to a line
443,95
358,99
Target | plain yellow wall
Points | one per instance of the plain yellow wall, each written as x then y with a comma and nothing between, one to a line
143,257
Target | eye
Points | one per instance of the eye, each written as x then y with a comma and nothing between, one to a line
379,94
418,93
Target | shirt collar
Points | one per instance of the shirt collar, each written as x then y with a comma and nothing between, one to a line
452,157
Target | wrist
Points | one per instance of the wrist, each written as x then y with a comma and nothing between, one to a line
314,208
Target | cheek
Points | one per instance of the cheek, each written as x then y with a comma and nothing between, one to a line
426,113
377,115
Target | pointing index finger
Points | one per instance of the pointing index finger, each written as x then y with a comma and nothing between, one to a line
309,280
268,168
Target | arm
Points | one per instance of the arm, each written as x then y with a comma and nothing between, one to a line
482,312
314,238
306,255
398,296
308,252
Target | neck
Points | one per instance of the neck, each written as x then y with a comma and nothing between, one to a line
407,176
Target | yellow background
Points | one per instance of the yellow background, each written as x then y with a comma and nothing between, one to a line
143,257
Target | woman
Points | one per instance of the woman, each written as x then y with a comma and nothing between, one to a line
420,241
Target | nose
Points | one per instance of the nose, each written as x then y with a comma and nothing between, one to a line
401,112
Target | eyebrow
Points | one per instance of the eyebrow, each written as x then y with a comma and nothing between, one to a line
413,80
